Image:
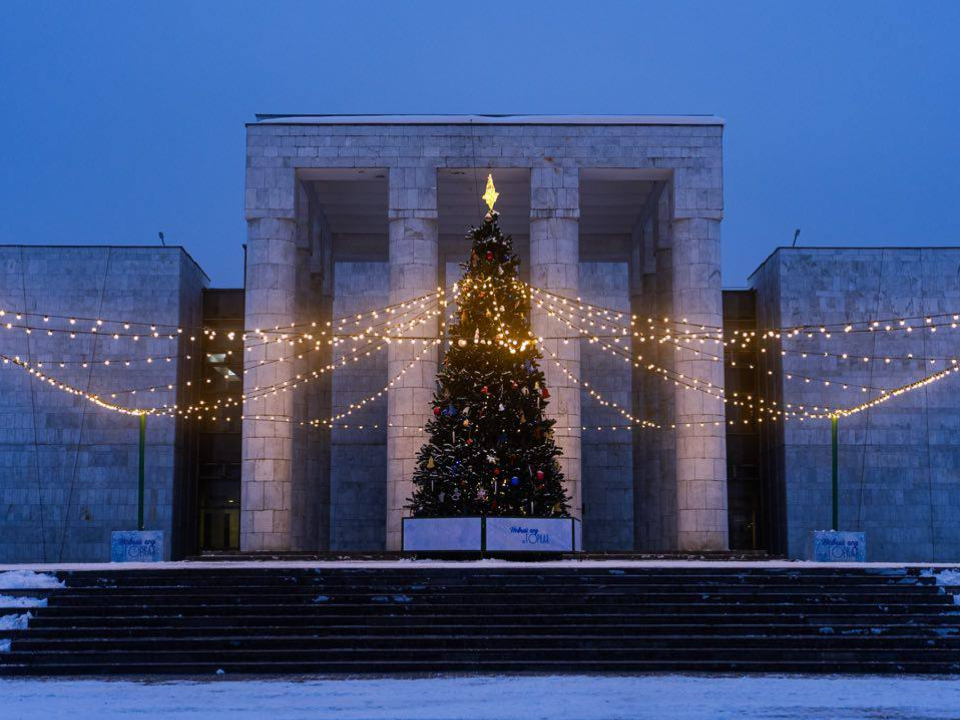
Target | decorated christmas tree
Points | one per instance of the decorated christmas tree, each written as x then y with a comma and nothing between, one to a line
491,450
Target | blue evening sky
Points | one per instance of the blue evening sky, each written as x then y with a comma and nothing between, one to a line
119,119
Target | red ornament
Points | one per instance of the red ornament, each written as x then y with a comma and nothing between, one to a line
545,393
436,410
485,390
489,254
496,471
469,441
539,474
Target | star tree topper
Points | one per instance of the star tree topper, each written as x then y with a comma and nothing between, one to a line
491,195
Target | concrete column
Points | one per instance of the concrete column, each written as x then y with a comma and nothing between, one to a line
555,266
700,418
267,480
414,250
648,532
663,355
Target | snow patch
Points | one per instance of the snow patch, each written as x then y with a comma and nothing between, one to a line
9,601
945,578
14,622
826,631
4,646
28,580
321,598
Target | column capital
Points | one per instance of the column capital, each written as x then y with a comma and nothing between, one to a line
554,193
554,213
270,193
697,214
412,193
412,214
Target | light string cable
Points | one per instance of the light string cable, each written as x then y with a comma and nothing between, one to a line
357,354
170,331
931,322
354,355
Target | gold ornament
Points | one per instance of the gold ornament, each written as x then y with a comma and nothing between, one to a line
462,343
430,463
491,194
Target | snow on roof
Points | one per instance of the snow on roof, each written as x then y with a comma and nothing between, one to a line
293,119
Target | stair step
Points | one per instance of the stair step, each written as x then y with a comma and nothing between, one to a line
529,618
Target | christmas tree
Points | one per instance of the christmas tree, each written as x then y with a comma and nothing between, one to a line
491,450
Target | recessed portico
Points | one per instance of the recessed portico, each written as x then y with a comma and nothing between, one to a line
347,214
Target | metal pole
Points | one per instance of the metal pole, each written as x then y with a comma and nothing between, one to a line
836,482
143,443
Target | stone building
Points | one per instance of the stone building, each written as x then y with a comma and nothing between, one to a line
349,215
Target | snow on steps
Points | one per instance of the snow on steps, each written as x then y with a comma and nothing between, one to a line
22,585
422,617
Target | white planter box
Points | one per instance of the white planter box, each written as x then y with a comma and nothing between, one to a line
462,534
492,534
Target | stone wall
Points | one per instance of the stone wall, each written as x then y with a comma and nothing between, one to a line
69,468
358,458
899,461
607,454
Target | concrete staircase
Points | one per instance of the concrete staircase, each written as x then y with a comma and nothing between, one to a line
244,619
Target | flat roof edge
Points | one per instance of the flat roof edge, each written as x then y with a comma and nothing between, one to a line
827,248
81,246
307,119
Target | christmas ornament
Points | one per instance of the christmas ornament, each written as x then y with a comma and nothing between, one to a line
476,335
540,475
485,390
430,464
514,480
466,423
496,471
461,343
436,410
469,441
545,393
489,255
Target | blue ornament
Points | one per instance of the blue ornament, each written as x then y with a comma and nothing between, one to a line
450,411
514,480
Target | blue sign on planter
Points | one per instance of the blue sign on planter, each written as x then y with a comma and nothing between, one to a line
532,534
136,546
837,546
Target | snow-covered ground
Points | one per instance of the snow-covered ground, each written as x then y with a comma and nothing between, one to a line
666,697
488,563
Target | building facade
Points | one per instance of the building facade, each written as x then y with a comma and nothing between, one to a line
356,228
